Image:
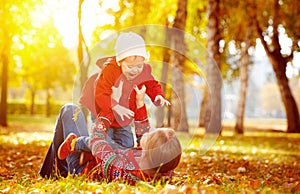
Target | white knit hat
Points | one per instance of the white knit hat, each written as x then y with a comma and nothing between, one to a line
130,44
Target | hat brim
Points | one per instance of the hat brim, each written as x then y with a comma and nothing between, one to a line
140,51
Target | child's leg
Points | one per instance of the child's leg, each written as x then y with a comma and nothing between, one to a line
122,136
111,140
82,144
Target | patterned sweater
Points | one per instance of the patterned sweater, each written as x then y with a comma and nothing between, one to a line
121,164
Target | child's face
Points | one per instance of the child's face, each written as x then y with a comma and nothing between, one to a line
132,66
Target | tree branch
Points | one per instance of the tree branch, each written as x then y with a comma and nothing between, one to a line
261,37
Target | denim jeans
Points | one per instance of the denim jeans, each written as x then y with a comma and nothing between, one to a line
72,120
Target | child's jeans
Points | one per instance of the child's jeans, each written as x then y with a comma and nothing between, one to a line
72,120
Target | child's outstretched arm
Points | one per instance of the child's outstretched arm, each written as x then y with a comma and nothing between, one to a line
161,101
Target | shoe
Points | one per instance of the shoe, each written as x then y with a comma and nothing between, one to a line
85,157
65,148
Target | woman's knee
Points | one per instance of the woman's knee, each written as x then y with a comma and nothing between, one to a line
69,108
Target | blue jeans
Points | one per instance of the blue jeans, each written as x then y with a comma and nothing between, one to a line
72,120
121,138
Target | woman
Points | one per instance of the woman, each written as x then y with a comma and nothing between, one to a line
159,154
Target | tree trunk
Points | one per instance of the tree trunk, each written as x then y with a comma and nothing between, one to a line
239,126
48,103
292,113
83,64
279,64
80,52
160,113
204,103
32,111
213,109
178,101
178,59
169,116
4,80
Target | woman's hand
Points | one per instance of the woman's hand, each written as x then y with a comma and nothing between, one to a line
140,95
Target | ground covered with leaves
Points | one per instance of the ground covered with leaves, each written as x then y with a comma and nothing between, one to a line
257,162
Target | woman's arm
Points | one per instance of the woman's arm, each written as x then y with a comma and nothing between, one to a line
141,121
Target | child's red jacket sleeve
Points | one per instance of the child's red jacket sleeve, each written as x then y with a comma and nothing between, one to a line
153,86
103,91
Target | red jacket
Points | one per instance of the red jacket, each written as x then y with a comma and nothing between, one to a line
111,76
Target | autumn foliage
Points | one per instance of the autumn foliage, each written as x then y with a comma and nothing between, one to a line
254,163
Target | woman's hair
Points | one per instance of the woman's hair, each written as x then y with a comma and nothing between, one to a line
162,149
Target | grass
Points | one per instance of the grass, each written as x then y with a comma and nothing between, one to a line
252,124
35,119
257,162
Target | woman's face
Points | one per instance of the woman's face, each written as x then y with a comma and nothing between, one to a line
160,146
145,137
132,66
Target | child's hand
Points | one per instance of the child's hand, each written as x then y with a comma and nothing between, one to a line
162,101
117,92
123,112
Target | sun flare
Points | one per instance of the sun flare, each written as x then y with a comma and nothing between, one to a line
93,14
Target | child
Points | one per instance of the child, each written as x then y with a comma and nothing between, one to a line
127,70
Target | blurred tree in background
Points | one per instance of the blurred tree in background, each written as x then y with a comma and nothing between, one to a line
32,52
273,19
34,57
14,20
